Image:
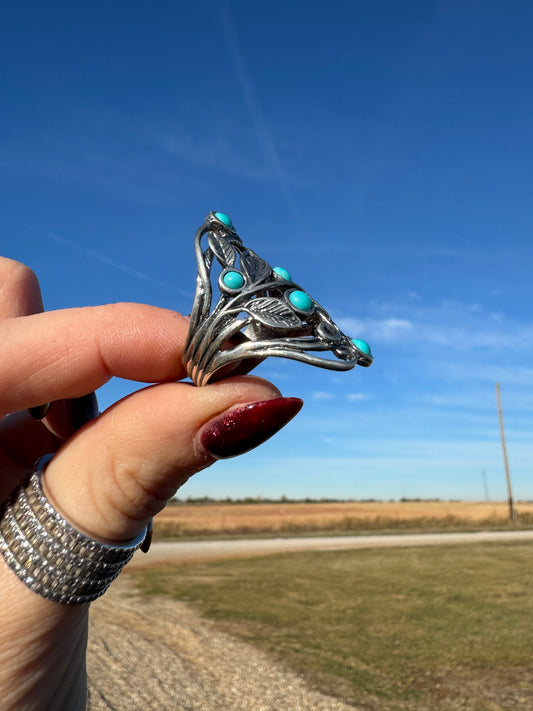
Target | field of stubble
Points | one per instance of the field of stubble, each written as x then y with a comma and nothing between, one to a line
186,520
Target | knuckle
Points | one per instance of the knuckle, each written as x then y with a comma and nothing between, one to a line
16,273
19,289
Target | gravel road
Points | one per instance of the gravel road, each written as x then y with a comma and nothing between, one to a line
208,550
159,654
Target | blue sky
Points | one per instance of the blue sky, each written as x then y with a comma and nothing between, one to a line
382,152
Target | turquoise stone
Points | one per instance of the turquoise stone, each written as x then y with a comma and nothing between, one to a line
221,217
301,300
283,273
233,280
362,345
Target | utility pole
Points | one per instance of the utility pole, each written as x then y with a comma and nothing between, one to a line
485,485
512,512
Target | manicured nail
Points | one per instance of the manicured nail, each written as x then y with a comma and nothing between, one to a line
70,414
82,410
40,411
246,427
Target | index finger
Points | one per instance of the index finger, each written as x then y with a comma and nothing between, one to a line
68,353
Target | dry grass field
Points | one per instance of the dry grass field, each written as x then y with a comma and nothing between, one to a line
185,520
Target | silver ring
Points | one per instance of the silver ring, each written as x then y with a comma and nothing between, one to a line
50,556
260,312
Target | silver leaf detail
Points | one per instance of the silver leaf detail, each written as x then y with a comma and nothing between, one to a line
272,312
256,268
222,249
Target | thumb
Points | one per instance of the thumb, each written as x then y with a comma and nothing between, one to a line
120,469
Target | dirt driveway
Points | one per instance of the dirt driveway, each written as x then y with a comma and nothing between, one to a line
159,654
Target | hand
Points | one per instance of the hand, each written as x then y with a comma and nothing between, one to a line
112,475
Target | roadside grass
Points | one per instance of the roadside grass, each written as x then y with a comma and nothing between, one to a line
447,628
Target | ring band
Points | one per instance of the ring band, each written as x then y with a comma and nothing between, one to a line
49,555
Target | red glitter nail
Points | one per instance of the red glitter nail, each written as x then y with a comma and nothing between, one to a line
246,427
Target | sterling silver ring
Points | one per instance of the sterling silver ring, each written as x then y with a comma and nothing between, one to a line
260,312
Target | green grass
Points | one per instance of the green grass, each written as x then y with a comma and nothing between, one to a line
406,629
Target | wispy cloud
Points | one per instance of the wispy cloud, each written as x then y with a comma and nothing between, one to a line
125,268
432,469
475,371
215,152
328,395
264,134
322,395
449,324
356,397
388,330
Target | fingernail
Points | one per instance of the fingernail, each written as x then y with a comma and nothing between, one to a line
40,411
246,427
67,416
82,410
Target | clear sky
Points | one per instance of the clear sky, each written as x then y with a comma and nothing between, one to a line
381,151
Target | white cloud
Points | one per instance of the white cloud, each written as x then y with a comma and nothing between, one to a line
322,395
387,329
450,469
454,324
475,372
356,397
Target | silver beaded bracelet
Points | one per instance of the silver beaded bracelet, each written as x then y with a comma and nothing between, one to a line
50,556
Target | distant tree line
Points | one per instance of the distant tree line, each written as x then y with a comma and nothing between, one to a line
204,500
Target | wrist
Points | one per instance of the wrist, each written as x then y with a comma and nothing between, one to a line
42,650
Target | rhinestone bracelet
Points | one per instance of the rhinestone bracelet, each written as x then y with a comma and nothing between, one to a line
50,556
